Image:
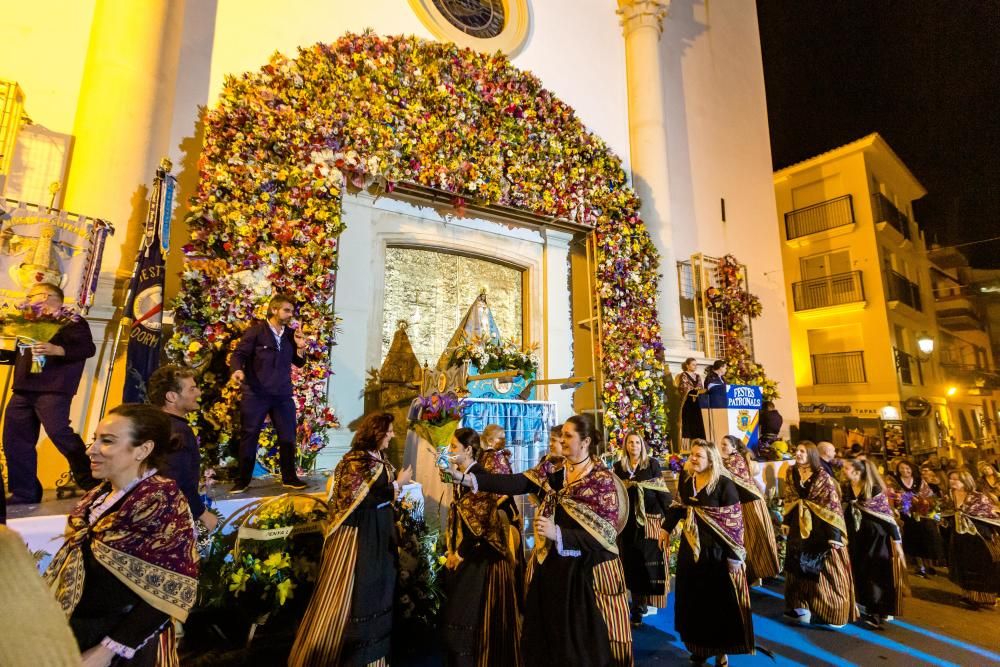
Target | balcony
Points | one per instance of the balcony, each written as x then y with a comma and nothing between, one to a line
957,313
901,290
829,214
971,376
885,212
835,290
839,368
905,363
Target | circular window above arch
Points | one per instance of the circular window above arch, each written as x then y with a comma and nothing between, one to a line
483,25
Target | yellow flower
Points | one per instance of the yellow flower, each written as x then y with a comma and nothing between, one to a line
285,590
238,581
442,560
194,346
277,560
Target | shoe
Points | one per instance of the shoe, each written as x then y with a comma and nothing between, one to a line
969,604
239,487
18,500
871,621
296,483
922,573
931,571
800,616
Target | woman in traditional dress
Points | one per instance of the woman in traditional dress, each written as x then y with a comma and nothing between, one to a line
933,476
349,619
129,565
712,604
758,531
494,457
974,549
639,547
819,587
689,386
989,480
554,454
480,620
875,544
576,607
921,535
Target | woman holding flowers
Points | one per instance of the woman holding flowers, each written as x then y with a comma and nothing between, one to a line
974,549
758,532
915,503
712,612
576,609
129,565
480,620
642,557
819,586
349,618
874,542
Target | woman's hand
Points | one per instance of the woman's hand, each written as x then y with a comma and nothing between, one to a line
404,476
457,476
546,526
663,539
98,656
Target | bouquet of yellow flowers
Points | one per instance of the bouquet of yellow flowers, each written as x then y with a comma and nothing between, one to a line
30,324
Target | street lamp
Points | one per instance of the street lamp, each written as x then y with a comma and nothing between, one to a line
925,343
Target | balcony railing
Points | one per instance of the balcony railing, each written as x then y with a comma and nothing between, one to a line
904,291
885,211
905,363
839,368
819,217
833,290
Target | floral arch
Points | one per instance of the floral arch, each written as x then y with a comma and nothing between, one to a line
377,111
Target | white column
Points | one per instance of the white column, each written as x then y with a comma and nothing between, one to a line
557,319
642,23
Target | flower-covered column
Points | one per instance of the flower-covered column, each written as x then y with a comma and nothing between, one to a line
642,22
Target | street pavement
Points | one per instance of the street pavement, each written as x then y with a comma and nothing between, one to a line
933,630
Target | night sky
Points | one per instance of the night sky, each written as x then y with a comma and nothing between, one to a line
925,74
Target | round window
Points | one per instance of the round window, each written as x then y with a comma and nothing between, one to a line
477,18
484,25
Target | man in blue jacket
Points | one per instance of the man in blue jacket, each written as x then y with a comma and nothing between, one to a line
262,363
44,399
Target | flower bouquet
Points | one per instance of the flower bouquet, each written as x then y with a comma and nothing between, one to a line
491,356
30,324
435,418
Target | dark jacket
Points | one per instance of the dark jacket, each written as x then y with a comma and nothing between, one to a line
60,375
184,464
267,369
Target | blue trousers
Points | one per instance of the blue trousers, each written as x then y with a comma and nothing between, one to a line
254,408
25,413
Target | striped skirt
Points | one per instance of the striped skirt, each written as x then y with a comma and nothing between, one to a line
500,632
653,522
612,600
831,598
761,545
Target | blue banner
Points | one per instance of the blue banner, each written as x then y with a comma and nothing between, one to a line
145,304
743,403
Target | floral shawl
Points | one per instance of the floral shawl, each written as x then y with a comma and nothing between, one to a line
146,540
479,512
878,507
642,485
496,461
979,508
726,522
598,502
351,481
737,468
823,501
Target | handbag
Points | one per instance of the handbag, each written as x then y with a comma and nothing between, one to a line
811,564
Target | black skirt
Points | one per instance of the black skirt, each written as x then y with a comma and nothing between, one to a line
922,539
970,565
692,425
875,581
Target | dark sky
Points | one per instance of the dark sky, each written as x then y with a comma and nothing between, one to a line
925,74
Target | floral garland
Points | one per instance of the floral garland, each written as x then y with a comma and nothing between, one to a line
490,355
377,111
737,307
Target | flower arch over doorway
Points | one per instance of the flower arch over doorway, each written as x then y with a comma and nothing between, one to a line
381,111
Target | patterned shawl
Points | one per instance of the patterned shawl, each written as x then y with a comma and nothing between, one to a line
147,541
737,468
877,507
823,501
641,485
480,514
496,461
598,502
726,522
351,481
979,508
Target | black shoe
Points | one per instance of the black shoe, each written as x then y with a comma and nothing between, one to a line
239,487
871,621
922,573
294,483
18,500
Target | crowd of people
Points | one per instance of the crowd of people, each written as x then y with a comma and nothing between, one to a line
127,571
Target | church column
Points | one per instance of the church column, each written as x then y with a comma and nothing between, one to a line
122,124
642,23
557,319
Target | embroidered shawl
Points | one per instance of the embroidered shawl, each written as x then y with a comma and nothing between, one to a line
496,461
823,501
726,522
598,502
351,482
980,516
479,512
641,485
147,542
878,507
737,468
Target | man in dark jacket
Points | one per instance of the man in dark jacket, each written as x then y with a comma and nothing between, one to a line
262,363
174,390
44,399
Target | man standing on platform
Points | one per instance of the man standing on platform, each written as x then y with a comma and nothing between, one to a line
262,363
44,399
173,389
